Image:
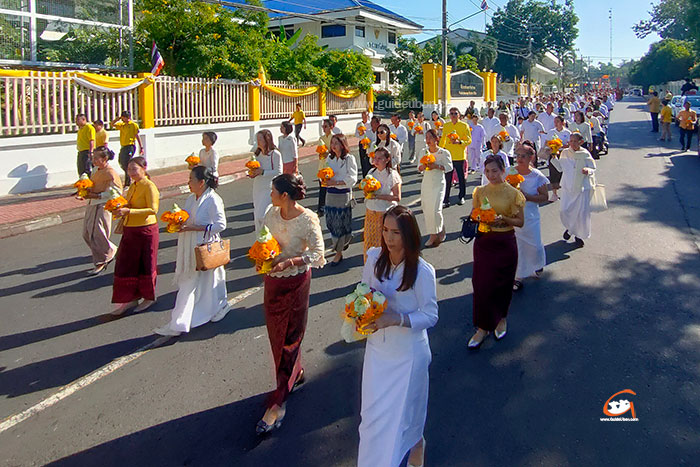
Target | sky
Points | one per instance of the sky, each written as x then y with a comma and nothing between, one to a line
594,26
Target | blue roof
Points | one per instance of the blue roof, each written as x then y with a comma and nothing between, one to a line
312,7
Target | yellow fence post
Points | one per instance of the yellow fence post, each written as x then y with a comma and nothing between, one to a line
322,103
430,90
254,102
494,86
487,84
147,110
370,100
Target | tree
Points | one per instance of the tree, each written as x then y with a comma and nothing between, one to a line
483,50
467,62
667,60
347,70
406,64
88,45
670,19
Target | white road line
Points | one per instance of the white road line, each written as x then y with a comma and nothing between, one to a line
100,373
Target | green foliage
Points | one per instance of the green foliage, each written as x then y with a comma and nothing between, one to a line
467,62
670,19
667,60
484,51
88,45
346,69
551,25
406,64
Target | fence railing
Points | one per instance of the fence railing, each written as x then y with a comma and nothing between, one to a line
191,101
339,105
49,102
275,106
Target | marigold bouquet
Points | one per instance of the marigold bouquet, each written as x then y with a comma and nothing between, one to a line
410,124
324,175
365,142
555,144
83,184
361,130
175,219
362,307
369,185
513,177
427,160
322,151
115,201
438,123
394,137
264,250
418,129
503,134
453,137
251,165
192,161
484,215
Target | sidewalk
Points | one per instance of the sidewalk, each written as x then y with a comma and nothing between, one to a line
33,211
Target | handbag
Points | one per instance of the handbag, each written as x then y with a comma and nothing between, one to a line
212,253
470,230
599,202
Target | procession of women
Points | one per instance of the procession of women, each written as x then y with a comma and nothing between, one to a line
522,155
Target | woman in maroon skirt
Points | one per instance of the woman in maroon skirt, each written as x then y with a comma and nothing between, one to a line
137,256
495,252
286,300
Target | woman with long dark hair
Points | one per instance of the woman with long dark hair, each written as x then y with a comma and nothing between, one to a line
286,300
397,356
432,188
384,140
338,208
135,271
201,295
270,166
388,195
495,252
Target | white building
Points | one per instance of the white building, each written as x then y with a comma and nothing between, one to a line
358,25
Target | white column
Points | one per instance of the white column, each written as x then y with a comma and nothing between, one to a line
32,31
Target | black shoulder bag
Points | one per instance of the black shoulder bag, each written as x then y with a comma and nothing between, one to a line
470,230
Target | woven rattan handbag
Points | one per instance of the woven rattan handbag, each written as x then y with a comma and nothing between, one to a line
212,253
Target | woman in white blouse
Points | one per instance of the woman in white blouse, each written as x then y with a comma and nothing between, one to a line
432,188
419,130
564,134
286,299
338,210
201,295
388,195
287,144
208,157
580,125
270,166
397,356
384,140
497,149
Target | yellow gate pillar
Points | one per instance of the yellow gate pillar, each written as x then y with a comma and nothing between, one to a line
494,86
322,103
147,110
254,97
430,83
487,84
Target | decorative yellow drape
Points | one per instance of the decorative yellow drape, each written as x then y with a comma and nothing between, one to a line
347,93
104,83
342,93
14,73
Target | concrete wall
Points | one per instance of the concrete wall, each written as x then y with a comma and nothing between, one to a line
31,163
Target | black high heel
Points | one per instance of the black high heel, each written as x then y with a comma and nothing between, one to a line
263,428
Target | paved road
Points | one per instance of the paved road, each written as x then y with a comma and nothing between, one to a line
620,313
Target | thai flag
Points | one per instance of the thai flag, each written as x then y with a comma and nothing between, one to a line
484,5
156,60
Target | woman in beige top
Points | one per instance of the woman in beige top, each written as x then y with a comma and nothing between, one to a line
97,225
286,300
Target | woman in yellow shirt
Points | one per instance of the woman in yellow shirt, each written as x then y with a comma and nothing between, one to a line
495,252
137,257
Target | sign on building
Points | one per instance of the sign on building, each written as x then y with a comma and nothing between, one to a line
466,84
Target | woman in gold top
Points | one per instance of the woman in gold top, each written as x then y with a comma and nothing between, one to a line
97,225
135,272
495,252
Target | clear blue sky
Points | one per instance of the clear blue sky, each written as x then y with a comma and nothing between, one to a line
594,32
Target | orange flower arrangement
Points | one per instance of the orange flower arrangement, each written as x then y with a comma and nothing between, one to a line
485,215
438,123
503,135
418,129
514,178
361,130
322,151
362,307
365,142
116,200
175,219
264,250
453,137
371,155
369,185
83,184
192,161
427,160
394,137
251,165
410,124
324,175
555,144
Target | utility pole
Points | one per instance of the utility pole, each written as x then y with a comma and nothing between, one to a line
529,67
444,58
610,18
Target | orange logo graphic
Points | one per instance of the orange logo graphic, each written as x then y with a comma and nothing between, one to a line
616,408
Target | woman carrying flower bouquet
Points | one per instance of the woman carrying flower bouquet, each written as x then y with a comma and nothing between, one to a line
496,144
388,195
97,225
384,140
419,130
564,134
286,300
270,166
339,195
397,356
135,271
437,122
432,187
495,252
201,295
531,255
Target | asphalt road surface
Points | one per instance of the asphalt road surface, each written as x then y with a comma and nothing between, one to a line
621,313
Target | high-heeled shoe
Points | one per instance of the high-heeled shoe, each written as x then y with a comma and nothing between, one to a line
500,334
299,383
263,428
422,460
475,344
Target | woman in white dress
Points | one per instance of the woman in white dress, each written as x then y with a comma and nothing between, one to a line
437,122
338,210
577,184
397,356
432,188
270,166
388,195
419,130
580,125
531,254
564,134
201,295
208,157
287,143
497,149
384,140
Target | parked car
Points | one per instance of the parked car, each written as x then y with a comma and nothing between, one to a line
694,103
676,107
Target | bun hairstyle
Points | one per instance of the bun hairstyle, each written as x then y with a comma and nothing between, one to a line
384,152
141,162
103,151
288,128
494,159
292,184
206,174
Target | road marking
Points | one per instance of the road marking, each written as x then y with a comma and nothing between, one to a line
100,373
